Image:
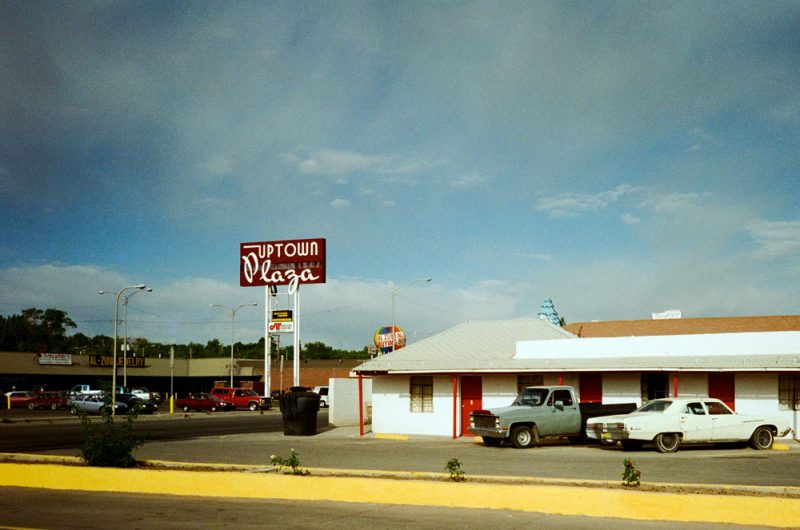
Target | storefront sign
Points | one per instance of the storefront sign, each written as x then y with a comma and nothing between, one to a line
63,359
291,262
104,361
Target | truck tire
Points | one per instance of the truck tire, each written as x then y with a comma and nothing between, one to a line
253,405
762,438
667,442
491,442
523,436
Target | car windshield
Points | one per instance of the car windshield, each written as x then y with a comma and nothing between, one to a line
531,397
655,406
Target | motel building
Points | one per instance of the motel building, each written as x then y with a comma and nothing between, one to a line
430,387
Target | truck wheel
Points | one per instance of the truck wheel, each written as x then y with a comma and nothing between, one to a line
523,436
186,408
492,442
667,442
762,438
253,406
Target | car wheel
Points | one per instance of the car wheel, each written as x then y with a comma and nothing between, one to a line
492,442
667,442
762,438
186,408
253,406
31,406
73,411
213,408
54,406
523,436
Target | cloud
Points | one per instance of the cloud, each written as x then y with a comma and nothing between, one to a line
467,181
630,219
574,204
330,162
776,239
340,203
674,202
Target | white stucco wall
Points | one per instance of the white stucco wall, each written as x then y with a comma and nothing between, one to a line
499,390
391,408
689,384
622,387
343,399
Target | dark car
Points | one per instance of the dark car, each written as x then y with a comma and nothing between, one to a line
19,398
135,402
203,401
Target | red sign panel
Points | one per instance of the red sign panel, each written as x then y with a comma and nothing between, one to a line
292,262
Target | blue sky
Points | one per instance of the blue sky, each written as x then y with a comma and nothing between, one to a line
620,158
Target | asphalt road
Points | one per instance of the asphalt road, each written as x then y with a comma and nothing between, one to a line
91,510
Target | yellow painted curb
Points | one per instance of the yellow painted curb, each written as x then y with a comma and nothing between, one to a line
780,447
561,500
402,437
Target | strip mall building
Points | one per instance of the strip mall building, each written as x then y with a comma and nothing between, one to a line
430,387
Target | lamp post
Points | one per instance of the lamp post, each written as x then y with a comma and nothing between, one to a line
232,311
125,332
396,290
116,322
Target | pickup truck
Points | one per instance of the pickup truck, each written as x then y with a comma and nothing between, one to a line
242,398
83,389
539,411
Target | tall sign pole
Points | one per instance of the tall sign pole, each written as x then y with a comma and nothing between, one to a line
289,262
267,341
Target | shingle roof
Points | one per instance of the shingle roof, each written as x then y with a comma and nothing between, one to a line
471,346
684,326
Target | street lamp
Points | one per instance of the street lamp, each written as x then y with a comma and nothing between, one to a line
396,290
232,312
141,286
125,332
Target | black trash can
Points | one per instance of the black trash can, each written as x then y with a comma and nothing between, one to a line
299,412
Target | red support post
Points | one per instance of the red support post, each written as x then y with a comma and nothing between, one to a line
455,405
360,405
675,385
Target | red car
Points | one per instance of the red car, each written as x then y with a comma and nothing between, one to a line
203,401
49,400
19,398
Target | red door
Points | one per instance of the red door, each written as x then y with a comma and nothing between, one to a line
722,385
471,399
591,390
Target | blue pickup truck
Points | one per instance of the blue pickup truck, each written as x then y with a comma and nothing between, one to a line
540,411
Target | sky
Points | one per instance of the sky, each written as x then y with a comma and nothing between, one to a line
620,158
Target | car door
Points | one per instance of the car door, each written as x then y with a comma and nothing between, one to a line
563,418
696,423
727,426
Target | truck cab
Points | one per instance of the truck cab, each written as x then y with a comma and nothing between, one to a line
536,412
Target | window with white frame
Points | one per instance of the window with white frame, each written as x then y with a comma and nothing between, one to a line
789,391
421,393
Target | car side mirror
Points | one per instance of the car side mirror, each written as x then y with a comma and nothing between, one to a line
560,405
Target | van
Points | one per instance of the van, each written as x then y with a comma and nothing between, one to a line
323,395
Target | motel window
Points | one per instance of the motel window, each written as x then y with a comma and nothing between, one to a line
789,391
526,380
422,393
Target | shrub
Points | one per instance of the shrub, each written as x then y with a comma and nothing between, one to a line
110,444
293,462
453,466
631,474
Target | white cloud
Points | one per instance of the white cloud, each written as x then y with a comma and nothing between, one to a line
340,203
573,204
467,181
630,219
330,162
674,202
776,239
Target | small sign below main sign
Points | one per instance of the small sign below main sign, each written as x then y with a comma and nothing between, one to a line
282,315
281,327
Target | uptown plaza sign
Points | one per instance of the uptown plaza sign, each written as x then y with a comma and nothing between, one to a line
290,262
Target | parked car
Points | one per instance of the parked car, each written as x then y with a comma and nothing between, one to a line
670,422
132,400
242,398
145,394
49,400
203,401
19,398
92,404
83,389
323,395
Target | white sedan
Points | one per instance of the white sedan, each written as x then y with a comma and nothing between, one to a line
670,422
